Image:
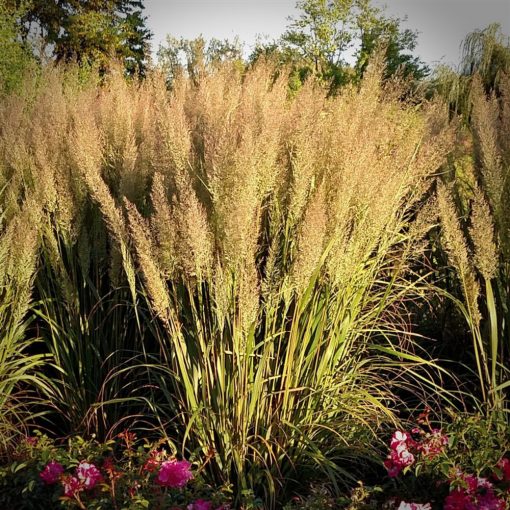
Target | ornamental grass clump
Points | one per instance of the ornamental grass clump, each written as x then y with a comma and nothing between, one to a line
278,341
226,261
474,213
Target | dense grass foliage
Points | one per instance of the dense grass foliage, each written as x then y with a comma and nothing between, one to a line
233,264
474,210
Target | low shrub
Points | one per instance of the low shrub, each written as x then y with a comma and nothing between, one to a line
121,473
465,465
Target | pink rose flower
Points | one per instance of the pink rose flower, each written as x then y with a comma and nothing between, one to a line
174,473
88,474
200,504
72,486
51,473
458,499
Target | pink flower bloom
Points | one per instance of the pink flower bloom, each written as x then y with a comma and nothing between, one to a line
174,473
72,486
88,474
504,467
489,501
392,468
458,499
400,455
51,473
475,483
414,506
478,495
200,504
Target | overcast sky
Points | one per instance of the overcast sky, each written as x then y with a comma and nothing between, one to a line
441,24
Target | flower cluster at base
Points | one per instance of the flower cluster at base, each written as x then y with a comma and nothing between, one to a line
156,471
474,493
86,477
405,450
428,443
427,450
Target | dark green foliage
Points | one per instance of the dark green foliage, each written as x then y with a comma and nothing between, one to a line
397,45
322,34
477,443
15,54
487,53
91,32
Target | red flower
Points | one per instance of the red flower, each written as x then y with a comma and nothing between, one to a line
153,462
132,491
174,473
400,455
433,444
51,473
392,468
72,486
88,474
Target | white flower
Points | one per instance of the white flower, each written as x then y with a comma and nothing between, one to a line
414,506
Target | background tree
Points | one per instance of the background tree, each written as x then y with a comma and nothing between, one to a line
90,31
398,46
322,34
15,54
485,53
329,33
193,55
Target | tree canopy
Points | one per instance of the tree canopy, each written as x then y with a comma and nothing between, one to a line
335,39
191,55
485,55
89,31
398,46
15,53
